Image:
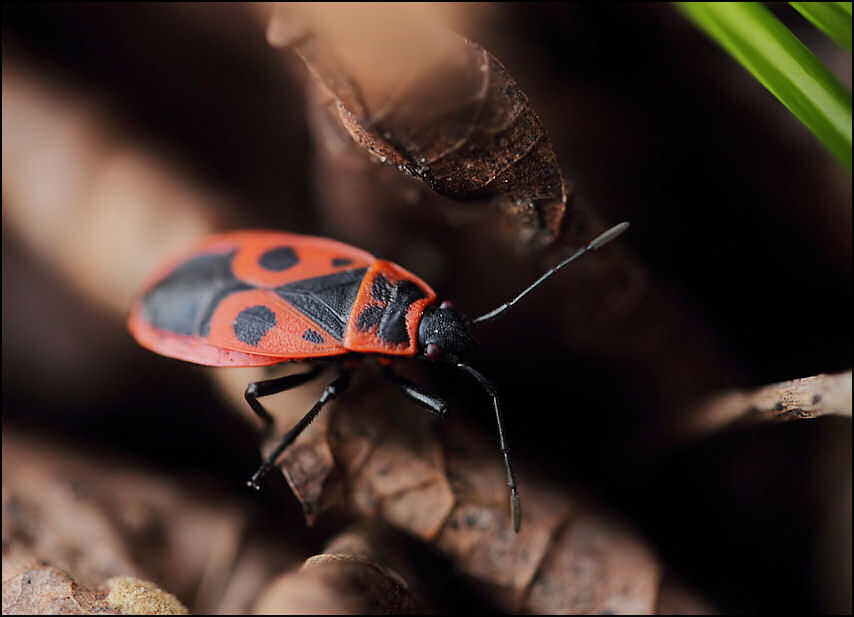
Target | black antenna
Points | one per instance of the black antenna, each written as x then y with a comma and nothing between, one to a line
515,506
598,241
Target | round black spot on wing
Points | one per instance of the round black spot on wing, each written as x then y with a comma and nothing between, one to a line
381,289
253,323
341,261
279,259
312,337
369,317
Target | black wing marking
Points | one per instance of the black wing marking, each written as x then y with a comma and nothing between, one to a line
279,259
184,301
252,323
326,300
393,324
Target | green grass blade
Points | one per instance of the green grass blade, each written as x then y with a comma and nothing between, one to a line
766,48
832,18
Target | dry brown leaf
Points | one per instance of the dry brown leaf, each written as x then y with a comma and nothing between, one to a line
97,520
443,109
347,578
32,587
40,589
451,492
596,565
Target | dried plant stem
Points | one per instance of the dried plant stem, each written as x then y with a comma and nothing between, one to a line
797,399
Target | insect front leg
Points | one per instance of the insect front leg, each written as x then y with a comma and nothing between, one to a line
332,391
416,393
258,389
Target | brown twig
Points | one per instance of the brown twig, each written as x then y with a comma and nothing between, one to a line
809,397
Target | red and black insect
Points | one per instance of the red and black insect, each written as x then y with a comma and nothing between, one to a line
255,298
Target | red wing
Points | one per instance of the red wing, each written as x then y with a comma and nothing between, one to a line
270,259
258,321
190,348
316,256
252,298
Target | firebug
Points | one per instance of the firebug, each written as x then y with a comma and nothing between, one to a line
255,298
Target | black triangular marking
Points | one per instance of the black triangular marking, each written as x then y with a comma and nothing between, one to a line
326,300
312,336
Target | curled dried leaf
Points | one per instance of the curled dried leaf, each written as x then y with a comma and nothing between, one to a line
348,577
442,109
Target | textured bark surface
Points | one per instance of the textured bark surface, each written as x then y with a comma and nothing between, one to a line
796,399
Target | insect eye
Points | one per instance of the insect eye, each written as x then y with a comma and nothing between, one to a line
447,304
433,352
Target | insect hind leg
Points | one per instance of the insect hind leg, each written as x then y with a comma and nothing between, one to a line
331,392
257,389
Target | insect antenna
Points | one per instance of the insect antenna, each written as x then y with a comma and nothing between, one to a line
515,505
594,244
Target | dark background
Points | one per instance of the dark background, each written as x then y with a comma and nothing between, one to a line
735,209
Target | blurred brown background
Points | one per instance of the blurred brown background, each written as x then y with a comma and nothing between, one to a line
130,130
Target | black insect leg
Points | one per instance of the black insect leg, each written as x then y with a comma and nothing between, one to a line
331,391
515,505
258,389
417,394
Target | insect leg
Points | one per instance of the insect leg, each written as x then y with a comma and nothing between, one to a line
258,389
515,507
417,394
515,504
331,391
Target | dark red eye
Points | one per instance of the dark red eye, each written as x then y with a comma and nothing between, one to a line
433,352
447,304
